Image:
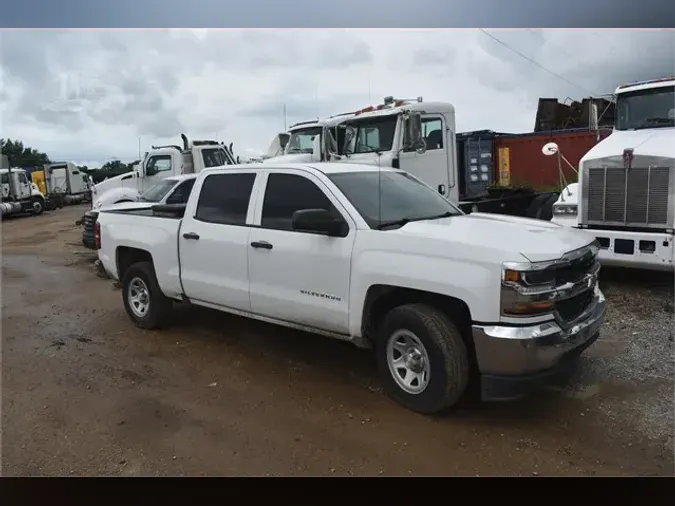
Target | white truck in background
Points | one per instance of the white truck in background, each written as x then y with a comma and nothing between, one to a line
159,163
66,180
376,135
625,196
17,194
438,294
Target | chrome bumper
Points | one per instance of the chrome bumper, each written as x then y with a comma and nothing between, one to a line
519,351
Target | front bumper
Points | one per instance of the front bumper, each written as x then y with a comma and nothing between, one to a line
513,361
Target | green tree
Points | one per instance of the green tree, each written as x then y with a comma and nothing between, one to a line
22,156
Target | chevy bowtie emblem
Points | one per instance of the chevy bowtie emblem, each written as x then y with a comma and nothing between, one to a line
627,158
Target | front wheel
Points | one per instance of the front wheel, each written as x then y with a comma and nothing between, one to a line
422,358
38,206
144,301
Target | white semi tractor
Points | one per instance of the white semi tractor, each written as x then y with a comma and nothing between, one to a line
625,194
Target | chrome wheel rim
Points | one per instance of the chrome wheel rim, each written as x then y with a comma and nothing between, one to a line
139,297
408,362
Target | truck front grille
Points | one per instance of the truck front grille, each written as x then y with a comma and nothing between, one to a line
635,197
572,308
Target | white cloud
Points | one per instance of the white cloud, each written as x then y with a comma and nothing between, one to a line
88,96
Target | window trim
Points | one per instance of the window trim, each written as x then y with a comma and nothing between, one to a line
250,199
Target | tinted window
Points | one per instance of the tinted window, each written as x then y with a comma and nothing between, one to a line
4,178
401,196
652,108
224,198
22,178
181,194
287,193
214,157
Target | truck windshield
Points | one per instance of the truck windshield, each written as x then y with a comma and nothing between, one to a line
653,108
301,140
402,198
157,192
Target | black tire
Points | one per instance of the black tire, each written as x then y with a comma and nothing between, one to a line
535,206
449,369
38,206
159,306
546,210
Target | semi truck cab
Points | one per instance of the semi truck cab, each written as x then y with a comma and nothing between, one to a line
625,196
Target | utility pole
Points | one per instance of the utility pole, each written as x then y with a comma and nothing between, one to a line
284,117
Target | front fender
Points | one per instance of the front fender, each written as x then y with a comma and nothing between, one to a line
473,282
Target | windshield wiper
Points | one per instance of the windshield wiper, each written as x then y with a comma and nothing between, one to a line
405,221
393,223
446,214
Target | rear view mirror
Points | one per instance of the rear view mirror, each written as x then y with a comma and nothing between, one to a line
316,220
412,135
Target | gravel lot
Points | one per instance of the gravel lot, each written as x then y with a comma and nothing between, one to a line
84,392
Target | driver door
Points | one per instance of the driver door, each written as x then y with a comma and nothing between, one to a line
157,167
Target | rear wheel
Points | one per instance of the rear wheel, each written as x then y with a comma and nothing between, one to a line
144,301
422,358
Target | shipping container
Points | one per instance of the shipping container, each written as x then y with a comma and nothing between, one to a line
521,163
475,162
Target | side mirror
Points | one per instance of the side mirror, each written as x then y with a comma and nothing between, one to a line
549,149
412,135
150,170
316,148
316,220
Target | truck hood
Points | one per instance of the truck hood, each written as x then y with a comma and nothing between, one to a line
510,238
656,142
116,182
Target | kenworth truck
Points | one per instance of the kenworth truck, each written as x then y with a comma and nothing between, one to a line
625,196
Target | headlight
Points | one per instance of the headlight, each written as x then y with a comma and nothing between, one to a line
565,209
527,292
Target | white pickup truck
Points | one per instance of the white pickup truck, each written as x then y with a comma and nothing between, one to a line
438,294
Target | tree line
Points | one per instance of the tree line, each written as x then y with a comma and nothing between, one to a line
26,157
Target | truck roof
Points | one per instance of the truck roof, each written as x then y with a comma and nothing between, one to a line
645,85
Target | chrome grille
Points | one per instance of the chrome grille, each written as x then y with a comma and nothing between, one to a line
634,197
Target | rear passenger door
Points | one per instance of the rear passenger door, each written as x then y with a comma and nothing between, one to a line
299,277
214,241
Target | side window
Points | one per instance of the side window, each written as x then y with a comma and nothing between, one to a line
224,198
287,193
159,163
214,157
4,178
22,178
181,193
432,132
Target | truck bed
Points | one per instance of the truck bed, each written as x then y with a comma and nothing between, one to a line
150,230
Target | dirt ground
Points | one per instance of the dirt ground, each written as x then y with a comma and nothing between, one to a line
84,392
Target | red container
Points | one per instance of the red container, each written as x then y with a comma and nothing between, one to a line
520,161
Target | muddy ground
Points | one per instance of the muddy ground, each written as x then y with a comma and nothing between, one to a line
84,392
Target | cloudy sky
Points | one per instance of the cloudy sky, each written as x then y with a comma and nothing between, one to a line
88,96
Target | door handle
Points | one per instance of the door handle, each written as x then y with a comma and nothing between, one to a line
261,244
190,235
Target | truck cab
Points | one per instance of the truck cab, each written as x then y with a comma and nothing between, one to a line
625,196
159,163
18,194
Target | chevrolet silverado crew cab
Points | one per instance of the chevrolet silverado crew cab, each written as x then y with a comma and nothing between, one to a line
370,256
